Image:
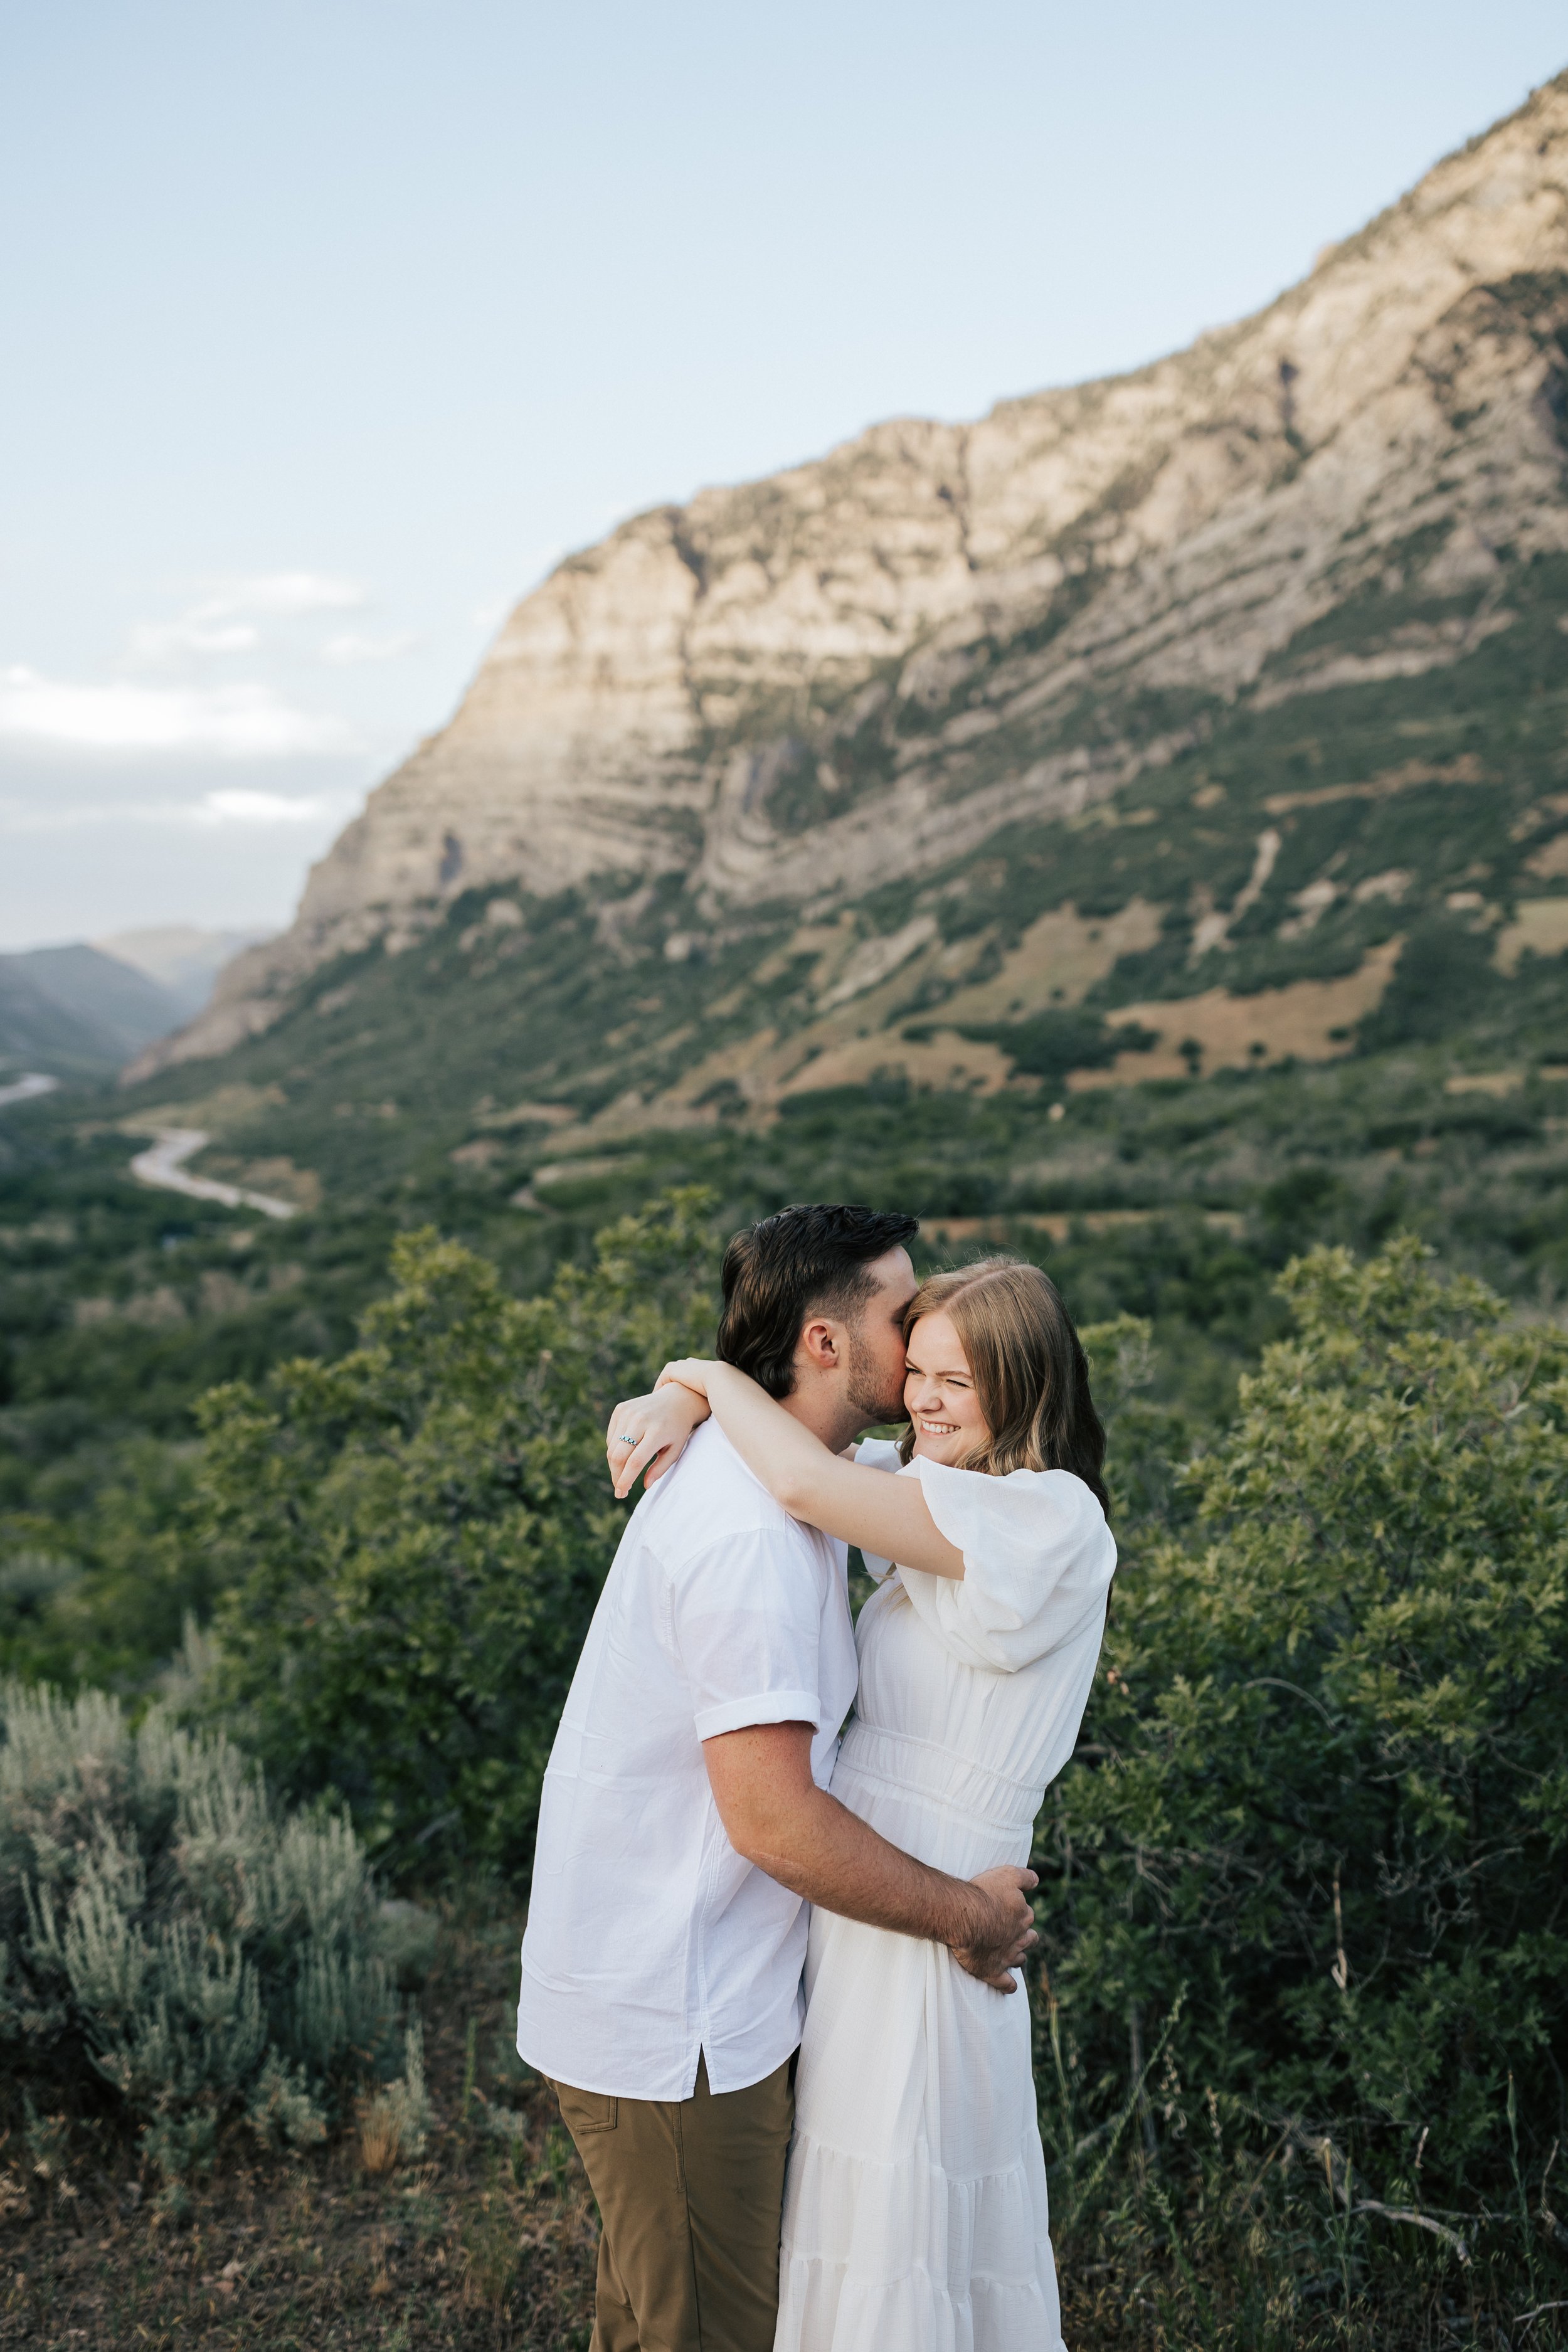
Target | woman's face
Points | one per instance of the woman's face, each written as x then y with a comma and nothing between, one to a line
939,1393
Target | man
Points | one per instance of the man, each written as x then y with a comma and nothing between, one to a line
685,1822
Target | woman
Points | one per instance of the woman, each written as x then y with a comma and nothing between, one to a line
915,2206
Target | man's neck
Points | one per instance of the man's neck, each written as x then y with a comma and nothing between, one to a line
821,1407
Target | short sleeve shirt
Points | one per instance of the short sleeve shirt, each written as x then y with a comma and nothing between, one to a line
649,1940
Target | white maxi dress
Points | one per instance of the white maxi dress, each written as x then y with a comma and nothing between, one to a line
914,2216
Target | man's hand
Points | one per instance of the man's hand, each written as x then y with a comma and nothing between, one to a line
1004,1928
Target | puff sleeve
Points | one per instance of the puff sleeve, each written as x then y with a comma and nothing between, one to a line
1037,1562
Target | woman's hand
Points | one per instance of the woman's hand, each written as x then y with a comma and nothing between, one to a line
688,1372
659,1425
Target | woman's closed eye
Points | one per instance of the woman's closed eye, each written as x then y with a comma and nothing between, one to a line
940,1393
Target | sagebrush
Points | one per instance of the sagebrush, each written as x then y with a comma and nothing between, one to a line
168,1930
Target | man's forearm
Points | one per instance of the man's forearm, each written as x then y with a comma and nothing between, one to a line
833,1859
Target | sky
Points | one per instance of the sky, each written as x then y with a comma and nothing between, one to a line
327,328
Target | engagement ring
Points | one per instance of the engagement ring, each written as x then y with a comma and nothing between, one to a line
628,1441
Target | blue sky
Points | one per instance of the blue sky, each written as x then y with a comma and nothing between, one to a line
328,328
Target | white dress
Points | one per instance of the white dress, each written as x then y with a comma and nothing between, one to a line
914,2216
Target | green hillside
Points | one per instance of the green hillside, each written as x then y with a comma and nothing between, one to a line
1403,842
75,1011
528,1070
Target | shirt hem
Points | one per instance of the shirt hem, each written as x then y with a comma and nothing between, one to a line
752,2071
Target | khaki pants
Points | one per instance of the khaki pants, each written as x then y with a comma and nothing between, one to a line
689,2194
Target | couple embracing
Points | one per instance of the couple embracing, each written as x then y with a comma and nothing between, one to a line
768,1966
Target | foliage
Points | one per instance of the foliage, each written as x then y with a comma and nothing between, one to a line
412,1540
1445,973
1048,1045
97,1393
1386,799
165,1927
484,2248
1315,1836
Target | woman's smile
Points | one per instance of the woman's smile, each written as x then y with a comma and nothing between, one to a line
939,1393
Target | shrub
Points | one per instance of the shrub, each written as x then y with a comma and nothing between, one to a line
1313,1844
1444,978
1048,1045
414,1537
165,1928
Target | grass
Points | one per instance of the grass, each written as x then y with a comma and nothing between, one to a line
1193,2224
488,2241
1189,2220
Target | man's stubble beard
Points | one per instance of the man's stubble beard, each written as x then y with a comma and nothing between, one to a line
872,1394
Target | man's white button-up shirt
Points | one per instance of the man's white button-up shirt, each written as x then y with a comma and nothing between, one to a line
649,1940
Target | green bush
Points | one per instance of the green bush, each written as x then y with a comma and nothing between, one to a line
1048,1045
413,1538
1310,1858
1445,976
165,1928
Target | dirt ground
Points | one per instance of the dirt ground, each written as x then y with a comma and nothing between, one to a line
486,2245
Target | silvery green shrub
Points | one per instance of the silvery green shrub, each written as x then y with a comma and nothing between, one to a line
165,1925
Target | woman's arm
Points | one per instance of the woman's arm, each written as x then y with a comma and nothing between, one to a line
882,1515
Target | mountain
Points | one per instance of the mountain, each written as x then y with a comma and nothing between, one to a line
84,1011
180,959
35,1032
76,1010
1207,718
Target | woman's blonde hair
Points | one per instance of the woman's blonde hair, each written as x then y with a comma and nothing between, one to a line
1031,1376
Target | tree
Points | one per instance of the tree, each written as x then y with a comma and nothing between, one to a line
1322,1794
411,1540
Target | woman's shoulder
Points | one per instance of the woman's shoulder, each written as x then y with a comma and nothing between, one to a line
878,1453
1012,1491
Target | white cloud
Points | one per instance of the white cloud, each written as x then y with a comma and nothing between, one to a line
162,641
236,808
242,807
354,645
281,592
237,722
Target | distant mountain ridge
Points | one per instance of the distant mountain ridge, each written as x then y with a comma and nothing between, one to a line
182,958
84,1009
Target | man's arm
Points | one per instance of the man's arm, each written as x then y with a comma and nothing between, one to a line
775,1816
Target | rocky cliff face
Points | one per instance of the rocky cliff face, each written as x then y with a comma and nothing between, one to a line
850,673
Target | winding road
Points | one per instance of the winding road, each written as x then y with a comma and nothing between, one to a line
162,1165
23,1089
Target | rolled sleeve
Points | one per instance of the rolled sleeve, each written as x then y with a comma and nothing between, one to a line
762,1707
746,1618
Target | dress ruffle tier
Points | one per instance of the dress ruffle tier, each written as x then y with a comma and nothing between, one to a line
904,2257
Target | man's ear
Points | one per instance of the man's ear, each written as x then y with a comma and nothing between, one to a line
820,1344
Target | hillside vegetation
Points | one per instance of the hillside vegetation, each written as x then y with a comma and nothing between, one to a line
1300,1989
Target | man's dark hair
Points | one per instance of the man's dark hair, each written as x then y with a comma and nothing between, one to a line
795,1264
